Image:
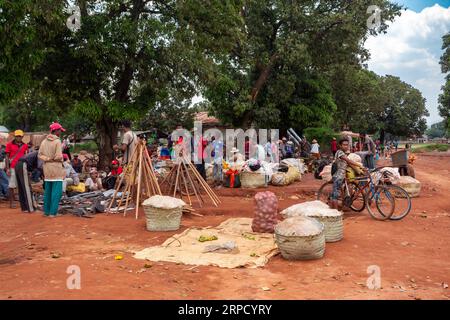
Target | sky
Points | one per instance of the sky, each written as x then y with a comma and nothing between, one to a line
412,47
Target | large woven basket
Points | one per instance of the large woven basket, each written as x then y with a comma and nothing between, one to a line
334,227
253,180
301,247
163,219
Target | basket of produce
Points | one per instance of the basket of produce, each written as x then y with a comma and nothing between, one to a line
163,213
300,238
253,179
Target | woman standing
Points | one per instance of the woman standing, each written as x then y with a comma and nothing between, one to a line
50,153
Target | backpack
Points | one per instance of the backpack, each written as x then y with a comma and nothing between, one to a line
333,168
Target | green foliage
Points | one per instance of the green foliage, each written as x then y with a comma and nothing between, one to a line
274,76
90,147
437,130
431,148
323,135
129,59
444,97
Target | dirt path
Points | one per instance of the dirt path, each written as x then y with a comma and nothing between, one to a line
412,254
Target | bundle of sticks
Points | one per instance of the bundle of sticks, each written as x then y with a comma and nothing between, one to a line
184,180
140,178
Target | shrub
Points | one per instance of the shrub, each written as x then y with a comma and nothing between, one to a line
323,135
89,146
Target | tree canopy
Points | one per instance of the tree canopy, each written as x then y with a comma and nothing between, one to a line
266,63
444,98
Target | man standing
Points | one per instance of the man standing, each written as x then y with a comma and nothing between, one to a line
201,145
4,180
334,146
129,142
26,165
15,150
50,153
218,161
368,145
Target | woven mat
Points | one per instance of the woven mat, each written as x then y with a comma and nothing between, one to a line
253,249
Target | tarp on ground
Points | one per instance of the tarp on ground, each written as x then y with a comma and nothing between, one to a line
253,249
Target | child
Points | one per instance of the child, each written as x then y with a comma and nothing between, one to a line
341,163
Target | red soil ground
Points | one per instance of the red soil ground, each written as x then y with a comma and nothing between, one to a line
413,254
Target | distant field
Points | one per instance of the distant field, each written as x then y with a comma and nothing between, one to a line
428,147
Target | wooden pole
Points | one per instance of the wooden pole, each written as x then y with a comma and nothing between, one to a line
141,145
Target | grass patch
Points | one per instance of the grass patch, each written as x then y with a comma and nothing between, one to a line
430,147
90,147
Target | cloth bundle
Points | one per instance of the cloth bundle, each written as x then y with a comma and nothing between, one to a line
266,210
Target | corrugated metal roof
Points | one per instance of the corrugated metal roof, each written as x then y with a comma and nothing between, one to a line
205,118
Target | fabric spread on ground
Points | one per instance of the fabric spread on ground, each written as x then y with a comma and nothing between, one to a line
236,246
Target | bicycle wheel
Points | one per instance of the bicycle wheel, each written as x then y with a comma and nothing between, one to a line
380,203
403,203
357,197
324,192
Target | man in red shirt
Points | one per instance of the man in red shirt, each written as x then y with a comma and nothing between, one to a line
334,146
15,150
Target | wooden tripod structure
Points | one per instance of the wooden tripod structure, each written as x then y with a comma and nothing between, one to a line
140,177
185,180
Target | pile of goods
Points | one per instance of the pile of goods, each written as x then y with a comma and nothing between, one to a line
266,210
83,204
284,179
332,219
300,238
411,185
163,213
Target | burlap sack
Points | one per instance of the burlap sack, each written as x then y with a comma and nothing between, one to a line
266,209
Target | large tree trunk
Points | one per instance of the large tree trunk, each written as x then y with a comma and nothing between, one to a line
106,138
263,76
382,135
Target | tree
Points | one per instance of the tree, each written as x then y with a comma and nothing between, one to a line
444,97
437,130
400,111
276,74
128,57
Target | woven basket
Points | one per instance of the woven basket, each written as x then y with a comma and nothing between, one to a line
305,247
253,180
334,227
163,219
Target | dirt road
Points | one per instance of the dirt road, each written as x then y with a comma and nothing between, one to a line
413,255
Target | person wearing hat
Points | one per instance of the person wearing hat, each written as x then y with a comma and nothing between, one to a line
116,170
51,154
282,148
315,153
15,150
94,182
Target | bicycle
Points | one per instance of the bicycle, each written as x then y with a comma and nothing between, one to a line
403,202
90,162
361,193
